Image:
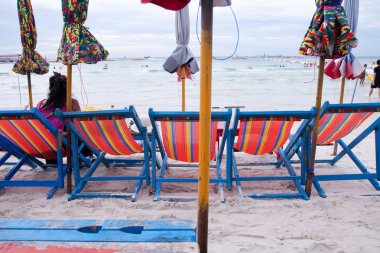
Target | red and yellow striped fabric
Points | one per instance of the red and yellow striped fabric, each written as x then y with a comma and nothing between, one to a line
262,137
110,136
181,140
332,127
31,136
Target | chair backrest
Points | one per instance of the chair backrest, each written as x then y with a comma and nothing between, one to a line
264,132
178,133
181,140
105,131
339,120
31,132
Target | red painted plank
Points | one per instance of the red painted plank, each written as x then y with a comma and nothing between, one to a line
11,248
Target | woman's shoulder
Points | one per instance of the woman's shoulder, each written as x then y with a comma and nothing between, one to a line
41,103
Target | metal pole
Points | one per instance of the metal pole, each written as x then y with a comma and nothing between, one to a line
30,90
205,124
68,148
353,94
183,88
340,102
310,174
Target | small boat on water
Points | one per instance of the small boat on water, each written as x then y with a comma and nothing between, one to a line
105,67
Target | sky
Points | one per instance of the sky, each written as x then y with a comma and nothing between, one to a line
129,28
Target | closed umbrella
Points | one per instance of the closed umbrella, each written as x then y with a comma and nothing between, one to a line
182,59
77,45
349,66
329,36
29,61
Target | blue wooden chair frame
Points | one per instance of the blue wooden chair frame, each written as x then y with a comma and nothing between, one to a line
81,181
347,148
24,158
164,165
10,150
302,135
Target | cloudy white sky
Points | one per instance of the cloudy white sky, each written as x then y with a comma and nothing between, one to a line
129,28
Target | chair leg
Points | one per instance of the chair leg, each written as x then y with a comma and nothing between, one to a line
291,172
139,183
158,181
319,189
51,192
236,176
220,184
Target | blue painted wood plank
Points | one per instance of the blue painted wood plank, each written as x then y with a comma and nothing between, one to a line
108,224
97,230
102,236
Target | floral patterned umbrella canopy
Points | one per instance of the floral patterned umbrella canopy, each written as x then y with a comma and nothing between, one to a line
329,34
78,45
30,60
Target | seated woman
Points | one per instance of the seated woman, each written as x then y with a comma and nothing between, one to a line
56,99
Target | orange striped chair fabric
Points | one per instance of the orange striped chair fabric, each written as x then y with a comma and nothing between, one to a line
110,136
181,140
31,136
333,127
258,137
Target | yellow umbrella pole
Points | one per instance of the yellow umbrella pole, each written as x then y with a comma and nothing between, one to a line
183,88
68,148
342,87
310,174
205,124
30,90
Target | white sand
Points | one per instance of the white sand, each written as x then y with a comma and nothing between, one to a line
346,221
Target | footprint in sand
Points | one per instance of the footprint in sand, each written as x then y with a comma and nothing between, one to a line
320,248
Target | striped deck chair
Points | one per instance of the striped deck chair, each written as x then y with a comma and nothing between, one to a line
260,133
106,132
28,135
338,121
177,136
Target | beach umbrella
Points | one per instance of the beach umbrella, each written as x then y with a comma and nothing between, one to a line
349,66
182,59
77,45
29,61
173,5
329,36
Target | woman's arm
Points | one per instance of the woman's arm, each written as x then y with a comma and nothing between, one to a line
76,106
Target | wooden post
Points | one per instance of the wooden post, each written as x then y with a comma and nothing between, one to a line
69,185
183,79
310,174
342,87
30,90
205,124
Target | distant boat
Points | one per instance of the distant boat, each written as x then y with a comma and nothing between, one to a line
239,57
146,57
105,67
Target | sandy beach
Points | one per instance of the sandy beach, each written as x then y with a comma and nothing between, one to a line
346,221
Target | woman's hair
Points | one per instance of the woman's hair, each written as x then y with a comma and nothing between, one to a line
57,91
378,62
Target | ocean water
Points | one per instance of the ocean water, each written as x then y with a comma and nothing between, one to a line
252,83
